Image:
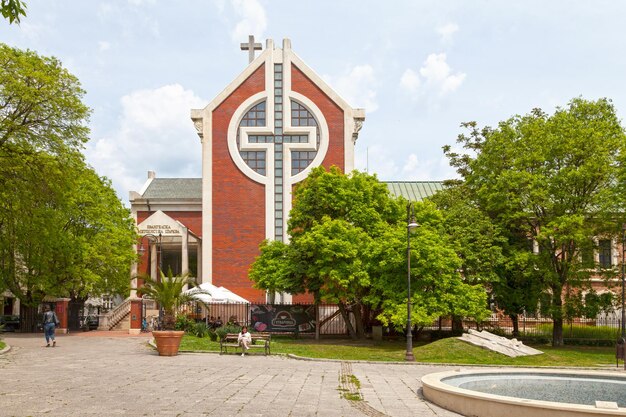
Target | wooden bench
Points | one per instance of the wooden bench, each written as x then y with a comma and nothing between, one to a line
259,341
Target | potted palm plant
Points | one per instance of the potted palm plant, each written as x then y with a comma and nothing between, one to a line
168,292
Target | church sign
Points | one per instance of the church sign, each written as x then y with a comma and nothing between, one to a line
160,224
156,229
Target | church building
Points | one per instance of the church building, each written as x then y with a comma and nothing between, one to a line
260,136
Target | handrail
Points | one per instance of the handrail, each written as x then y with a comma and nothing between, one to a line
118,313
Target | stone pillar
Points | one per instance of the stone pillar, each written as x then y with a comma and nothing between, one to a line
185,251
135,316
185,254
153,261
16,306
62,312
200,280
133,276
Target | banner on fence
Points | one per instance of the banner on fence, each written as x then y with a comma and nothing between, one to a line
283,318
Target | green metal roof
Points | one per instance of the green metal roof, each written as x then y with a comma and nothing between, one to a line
414,190
174,188
191,188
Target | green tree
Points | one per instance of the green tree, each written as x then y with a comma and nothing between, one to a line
41,105
63,231
348,246
477,241
437,286
553,179
12,10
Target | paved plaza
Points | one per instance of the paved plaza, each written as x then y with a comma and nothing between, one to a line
108,375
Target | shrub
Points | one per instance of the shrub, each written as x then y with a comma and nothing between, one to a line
212,335
185,324
222,331
200,330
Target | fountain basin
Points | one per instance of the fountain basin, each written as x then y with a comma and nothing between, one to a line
537,393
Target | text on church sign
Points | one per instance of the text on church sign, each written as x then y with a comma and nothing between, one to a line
155,229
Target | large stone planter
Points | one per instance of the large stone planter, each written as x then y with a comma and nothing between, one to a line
167,341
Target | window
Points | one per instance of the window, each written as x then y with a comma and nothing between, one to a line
604,250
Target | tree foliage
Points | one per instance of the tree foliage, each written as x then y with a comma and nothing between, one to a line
348,246
12,10
553,179
63,231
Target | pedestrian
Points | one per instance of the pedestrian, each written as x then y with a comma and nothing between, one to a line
50,321
244,339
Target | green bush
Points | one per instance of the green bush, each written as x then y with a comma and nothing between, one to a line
185,323
200,330
212,335
222,331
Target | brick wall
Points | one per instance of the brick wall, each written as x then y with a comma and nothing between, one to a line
238,202
333,114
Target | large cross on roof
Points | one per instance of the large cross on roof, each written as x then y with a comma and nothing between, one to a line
250,46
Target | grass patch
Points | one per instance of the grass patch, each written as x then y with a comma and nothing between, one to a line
351,379
351,396
2,345
450,350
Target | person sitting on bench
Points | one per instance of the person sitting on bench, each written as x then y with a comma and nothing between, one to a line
244,339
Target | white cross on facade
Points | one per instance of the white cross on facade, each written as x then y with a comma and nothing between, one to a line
251,47
277,138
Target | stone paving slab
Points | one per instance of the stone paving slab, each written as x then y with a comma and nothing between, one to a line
112,375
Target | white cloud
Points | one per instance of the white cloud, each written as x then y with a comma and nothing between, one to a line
436,74
357,87
447,31
140,2
434,169
155,133
410,80
104,45
252,20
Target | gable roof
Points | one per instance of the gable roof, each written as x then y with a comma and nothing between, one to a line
174,189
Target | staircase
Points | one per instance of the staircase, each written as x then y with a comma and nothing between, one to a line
116,319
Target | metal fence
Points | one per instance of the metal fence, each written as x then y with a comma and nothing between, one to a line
603,327
273,318
307,318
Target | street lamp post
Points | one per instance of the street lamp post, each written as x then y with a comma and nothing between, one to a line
410,225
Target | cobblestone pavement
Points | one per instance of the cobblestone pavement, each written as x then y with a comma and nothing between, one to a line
108,376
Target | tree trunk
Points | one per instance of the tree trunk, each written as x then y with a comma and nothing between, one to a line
515,320
346,319
28,318
358,320
557,317
457,325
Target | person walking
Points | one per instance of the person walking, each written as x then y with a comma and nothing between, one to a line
50,321
244,339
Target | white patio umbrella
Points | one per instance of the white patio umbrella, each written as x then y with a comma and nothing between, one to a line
209,293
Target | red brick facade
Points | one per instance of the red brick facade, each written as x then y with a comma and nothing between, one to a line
238,202
332,113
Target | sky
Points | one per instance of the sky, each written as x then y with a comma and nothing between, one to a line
419,68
